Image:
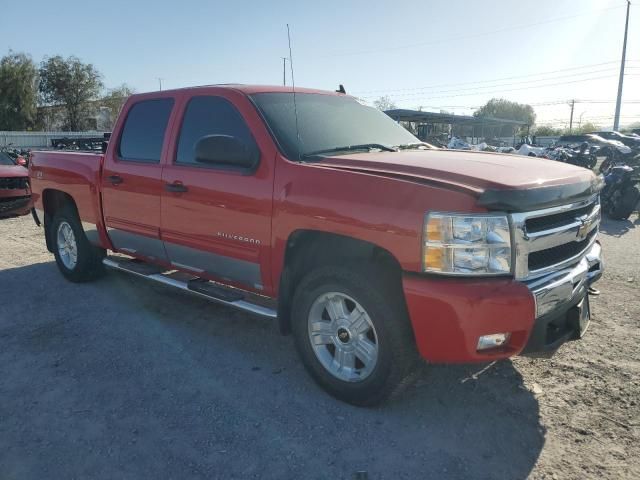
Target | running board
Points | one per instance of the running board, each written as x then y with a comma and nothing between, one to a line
194,285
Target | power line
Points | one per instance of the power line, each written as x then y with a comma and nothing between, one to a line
539,104
579,67
606,101
517,89
474,35
587,119
402,95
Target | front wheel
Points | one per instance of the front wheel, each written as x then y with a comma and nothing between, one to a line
353,334
77,259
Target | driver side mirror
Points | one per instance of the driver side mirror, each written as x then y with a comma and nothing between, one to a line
227,152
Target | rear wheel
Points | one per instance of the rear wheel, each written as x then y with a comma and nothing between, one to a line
353,334
77,259
626,204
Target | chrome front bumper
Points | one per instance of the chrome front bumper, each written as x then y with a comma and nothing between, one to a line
559,289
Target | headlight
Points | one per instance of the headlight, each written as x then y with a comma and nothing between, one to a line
466,244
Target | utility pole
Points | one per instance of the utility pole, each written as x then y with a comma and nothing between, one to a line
284,70
616,119
160,82
573,103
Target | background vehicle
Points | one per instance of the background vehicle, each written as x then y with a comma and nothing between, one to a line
593,140
621,194
582,156
629,140
18,156
15,195
371,247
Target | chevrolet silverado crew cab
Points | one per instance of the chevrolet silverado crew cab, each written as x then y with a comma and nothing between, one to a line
373,249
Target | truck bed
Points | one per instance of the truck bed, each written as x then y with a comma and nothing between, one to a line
76,174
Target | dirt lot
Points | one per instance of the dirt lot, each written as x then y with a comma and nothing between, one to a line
118,379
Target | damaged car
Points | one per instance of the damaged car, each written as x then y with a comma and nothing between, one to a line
15,193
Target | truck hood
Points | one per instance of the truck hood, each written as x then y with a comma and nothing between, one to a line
511,182
10,171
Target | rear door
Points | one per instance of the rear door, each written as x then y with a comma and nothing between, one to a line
132,179
216,220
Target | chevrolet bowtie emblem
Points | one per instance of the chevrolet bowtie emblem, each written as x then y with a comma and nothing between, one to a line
584,228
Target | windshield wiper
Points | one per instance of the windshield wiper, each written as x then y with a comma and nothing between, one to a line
350,148
416,145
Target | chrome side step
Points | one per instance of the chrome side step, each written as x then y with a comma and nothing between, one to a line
194,285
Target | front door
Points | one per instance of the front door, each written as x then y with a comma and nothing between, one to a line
216,219
132,180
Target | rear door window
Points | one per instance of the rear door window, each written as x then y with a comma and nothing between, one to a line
144,130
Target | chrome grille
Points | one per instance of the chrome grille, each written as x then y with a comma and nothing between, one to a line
554,238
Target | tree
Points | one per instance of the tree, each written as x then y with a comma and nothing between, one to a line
114,100
72,85
18,92
630,127
547,131
501,108
587,127
384,103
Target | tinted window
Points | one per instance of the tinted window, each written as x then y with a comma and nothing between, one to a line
144,130
209,116
326,122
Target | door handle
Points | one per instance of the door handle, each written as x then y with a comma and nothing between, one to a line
175,187
115,179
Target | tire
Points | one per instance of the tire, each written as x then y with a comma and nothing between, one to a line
360,289
627,204
77,259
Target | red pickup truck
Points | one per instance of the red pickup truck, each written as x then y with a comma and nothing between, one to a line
375,250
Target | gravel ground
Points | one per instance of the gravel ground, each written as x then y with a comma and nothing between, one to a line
119,379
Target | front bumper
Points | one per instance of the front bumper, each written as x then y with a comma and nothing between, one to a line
450,314
561,299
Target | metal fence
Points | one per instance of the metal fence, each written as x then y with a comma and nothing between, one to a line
39,139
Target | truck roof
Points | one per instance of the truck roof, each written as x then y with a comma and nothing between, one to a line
247,89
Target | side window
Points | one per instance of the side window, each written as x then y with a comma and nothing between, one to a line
144,129
207,115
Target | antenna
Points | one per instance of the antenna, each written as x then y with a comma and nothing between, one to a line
293,86
284,70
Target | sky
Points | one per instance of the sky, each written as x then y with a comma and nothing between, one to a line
451,55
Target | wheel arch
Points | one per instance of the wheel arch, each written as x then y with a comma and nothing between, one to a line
53,201
307,249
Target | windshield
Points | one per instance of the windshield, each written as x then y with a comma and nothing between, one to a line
5,159
327,122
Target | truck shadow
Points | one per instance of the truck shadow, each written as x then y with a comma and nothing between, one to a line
163,379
